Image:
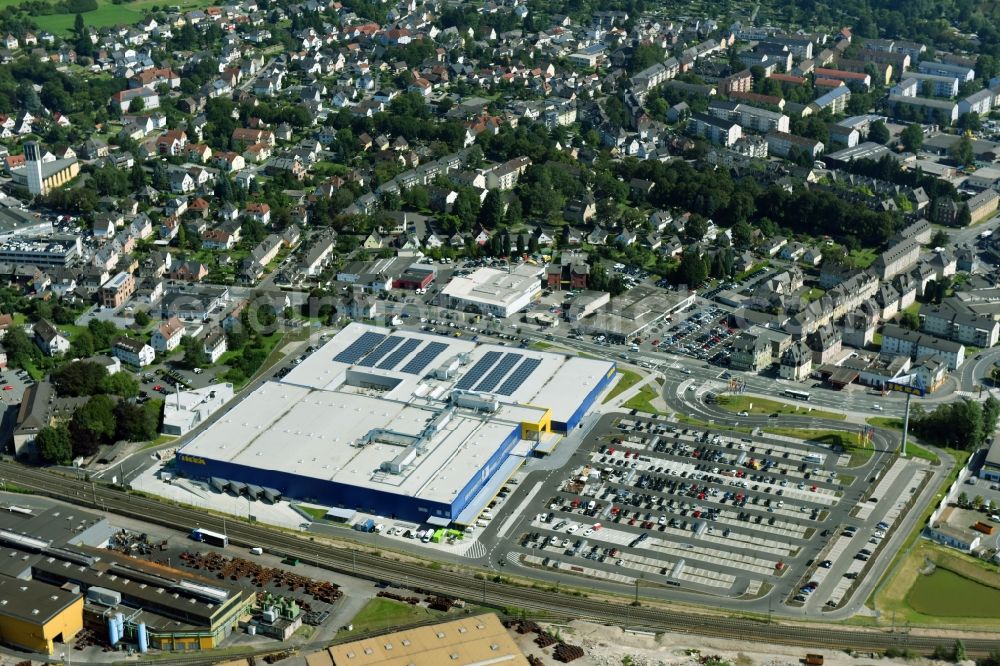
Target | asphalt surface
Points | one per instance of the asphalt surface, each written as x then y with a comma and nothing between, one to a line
500,552
498,592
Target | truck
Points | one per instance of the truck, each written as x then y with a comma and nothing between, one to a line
813,660
213,538
366,526
985,528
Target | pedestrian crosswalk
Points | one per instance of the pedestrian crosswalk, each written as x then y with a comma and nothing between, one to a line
476,551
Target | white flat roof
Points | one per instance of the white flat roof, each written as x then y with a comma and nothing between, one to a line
495,286
310,423
558,382
310,433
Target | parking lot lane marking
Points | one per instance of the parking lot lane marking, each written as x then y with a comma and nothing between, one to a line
516,514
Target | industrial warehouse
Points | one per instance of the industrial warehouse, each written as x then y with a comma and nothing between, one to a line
57,579
398,423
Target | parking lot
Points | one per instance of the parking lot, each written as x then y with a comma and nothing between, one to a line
705,335
685,507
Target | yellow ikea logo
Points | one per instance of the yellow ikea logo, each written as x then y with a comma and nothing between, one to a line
193,460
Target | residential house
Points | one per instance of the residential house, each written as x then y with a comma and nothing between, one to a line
167,336
49,339
133,352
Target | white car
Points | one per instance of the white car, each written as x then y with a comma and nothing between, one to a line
587,532
877,407
572,529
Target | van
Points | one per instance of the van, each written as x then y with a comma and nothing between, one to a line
487,515
256,550
481,523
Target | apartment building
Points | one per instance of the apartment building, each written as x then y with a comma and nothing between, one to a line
898,341
897,259
783,143
116,291
952,320
716,130
749,117
933,85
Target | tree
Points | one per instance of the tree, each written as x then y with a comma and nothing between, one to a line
963,499
79,378
21,351
695,229
84,47
910,320
692,270
879,133
134,423
79,27
194,354
54,445
104,332
82,345
940,239
491,212
142,318
912,138
742,235
645,55
964,217
92,424
122,384
962,152
960,654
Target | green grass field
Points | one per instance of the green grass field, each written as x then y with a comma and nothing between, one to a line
846,440
642,400
755,405
106,14
912,448
862,258
627,381
382,613
944,593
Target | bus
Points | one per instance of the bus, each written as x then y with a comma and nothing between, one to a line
798,395
212,538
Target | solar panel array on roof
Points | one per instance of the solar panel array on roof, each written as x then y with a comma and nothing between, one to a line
387,346
395,357
424,357
359,347
503,367
478,370
517,377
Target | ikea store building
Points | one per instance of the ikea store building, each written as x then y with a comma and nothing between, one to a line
399,424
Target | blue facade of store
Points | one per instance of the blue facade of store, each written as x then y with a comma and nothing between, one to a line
333,493
588,402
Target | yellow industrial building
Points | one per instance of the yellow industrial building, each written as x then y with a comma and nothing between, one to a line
35,616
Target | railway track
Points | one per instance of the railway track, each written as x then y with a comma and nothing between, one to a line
479,589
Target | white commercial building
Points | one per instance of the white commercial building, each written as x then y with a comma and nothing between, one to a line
398,423
185,410
494,291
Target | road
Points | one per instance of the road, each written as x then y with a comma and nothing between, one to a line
496,592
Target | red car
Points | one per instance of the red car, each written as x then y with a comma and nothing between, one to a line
8,388
157,387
